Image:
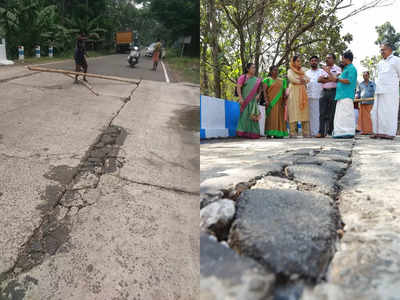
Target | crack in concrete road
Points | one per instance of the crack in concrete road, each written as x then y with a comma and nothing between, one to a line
161,187
40,156
53,231
18,77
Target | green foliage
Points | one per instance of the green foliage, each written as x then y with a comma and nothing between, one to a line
281,28
60,22
371,63
185,68
180,17
387,34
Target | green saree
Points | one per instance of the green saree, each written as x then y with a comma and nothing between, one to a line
248,125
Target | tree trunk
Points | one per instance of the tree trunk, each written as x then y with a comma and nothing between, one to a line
214,49
260,23
242,49
204,83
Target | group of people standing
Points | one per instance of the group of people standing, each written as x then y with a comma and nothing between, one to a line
322,99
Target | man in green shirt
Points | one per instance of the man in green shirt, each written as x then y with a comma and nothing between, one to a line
344,122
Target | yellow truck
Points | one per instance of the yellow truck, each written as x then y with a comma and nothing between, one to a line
123,40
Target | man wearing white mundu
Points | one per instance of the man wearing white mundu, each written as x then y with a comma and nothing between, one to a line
386,106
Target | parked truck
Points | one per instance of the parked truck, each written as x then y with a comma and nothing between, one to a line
124,40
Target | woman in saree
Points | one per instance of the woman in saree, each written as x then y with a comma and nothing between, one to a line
156,54
275,100
248,87
298,102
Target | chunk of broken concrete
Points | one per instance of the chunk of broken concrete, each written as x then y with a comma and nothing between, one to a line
287,231
217,217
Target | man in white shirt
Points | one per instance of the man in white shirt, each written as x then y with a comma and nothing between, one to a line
386,106
314,89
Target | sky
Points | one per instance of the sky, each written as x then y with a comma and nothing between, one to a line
362,27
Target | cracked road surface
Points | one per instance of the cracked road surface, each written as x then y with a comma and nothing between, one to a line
360,176
96,190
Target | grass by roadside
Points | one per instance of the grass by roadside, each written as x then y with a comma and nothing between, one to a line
184,68
69,55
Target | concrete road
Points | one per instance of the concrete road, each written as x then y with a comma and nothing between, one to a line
98,194
361,178
117,65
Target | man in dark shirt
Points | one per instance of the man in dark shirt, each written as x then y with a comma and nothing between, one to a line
80,60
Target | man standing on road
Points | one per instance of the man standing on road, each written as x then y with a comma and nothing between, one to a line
344,125
386,106
327,103
314,89
366,89
80,60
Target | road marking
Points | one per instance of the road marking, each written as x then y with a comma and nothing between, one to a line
165,72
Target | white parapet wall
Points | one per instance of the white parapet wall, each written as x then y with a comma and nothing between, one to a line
3,54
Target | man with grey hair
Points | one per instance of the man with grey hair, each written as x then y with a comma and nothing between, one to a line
386,106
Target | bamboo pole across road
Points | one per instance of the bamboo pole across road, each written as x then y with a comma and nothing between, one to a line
40,69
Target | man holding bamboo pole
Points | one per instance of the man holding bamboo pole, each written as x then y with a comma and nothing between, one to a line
80,60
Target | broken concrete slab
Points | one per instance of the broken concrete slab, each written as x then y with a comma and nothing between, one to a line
149,162
44,135
319,178
287,231
97,260
54,125
231,177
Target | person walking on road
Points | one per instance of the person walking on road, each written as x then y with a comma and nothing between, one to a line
298,107
386,106
248,88
366,89
275,100
80,60
314,90
156,54
344,125
327,103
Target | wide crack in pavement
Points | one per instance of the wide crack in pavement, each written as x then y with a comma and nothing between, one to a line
64,200
307,185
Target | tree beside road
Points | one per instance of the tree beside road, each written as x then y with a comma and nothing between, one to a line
386,34
234,33
58,23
